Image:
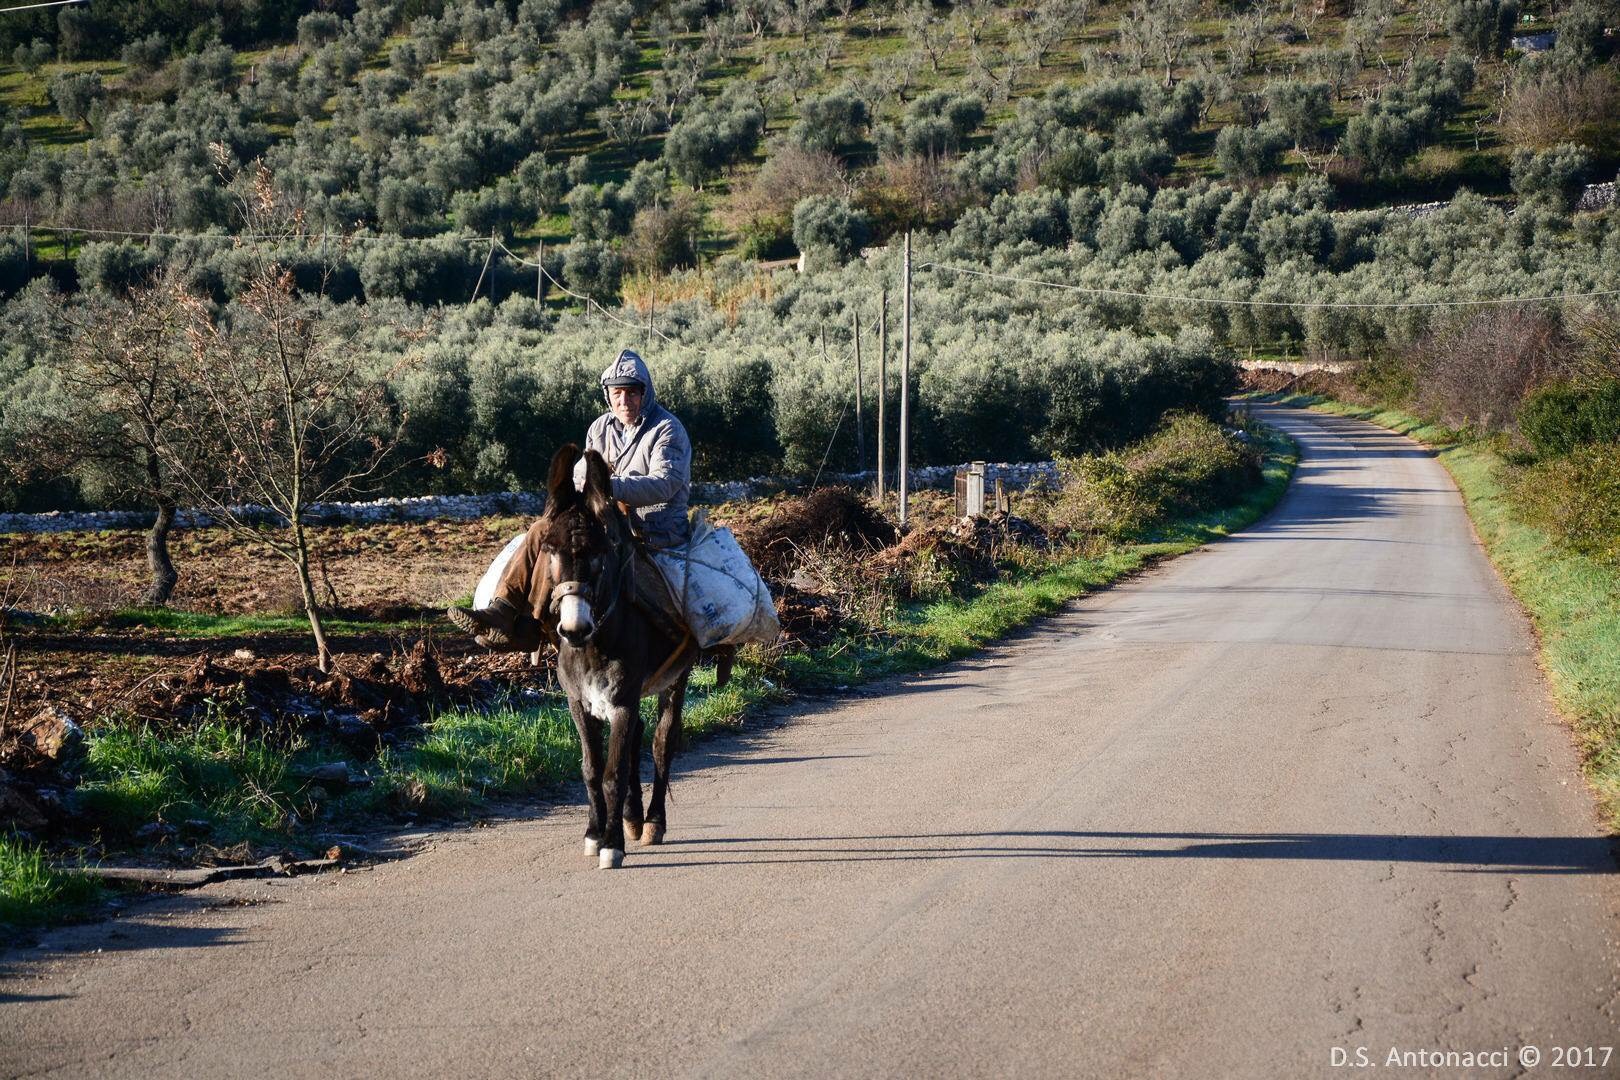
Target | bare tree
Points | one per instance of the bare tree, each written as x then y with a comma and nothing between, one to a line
122,357
828,46
1171,21
1364,33
927,31
1040,29
973,18
283,414
1245,35
1136,35
120,391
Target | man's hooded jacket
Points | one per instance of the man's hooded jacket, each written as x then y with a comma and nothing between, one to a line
651,462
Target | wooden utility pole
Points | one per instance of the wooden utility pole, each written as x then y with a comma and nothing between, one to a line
860,430
904,483
540,273
883,387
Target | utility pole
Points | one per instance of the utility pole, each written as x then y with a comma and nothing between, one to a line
883,386
540,273
905,385
860,431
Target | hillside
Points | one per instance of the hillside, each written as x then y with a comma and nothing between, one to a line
1110,202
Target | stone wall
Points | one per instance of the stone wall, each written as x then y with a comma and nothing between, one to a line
1014,475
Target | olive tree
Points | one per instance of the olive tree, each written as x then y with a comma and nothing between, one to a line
828,224
1482,27
1557,175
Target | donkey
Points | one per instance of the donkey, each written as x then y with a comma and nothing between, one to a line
611,652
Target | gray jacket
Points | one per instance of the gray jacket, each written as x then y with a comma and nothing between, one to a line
651,462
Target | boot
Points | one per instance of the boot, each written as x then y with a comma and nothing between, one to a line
491,627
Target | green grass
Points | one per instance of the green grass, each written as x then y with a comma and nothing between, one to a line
1574,601
35,893
193,624
219,783
245,787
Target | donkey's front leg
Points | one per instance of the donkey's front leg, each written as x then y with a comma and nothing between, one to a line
665,742
634,814
618,775
590,765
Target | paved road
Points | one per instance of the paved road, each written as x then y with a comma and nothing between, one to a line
1296,792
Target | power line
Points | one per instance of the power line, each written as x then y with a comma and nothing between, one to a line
587,300
51,226
1357,304
31,7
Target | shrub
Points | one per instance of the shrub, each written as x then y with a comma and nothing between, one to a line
1558,175
1302,108
1188,464
1250,153
830,123
1560,416
1576,498
594,268
1475,369
714,134
829,224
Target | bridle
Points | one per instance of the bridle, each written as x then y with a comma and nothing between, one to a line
586,590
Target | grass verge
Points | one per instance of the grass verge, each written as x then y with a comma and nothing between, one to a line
34,893
1574,601
217,782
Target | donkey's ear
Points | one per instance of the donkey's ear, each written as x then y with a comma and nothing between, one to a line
598,484
560,484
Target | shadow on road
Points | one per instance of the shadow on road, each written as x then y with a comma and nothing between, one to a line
1518,855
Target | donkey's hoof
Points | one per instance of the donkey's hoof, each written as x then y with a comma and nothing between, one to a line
652,834
592,847
632,830
611,858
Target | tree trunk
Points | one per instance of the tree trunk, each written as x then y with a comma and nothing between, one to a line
164,577
158,562
323,655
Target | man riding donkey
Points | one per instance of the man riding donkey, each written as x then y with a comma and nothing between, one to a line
651,460
630,592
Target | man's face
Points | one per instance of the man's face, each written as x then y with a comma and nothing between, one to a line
626,403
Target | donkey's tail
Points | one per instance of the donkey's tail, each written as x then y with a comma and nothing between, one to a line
725,656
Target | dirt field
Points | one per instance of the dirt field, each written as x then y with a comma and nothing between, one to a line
79,645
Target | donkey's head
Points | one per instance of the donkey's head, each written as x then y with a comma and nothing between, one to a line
585,546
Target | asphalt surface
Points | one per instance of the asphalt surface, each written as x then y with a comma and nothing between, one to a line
1293,795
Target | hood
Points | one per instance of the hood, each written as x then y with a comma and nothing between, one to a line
630,365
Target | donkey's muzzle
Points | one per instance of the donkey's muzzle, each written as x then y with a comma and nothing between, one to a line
571,603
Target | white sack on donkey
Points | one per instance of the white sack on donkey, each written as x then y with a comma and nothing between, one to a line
724,599
485,593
